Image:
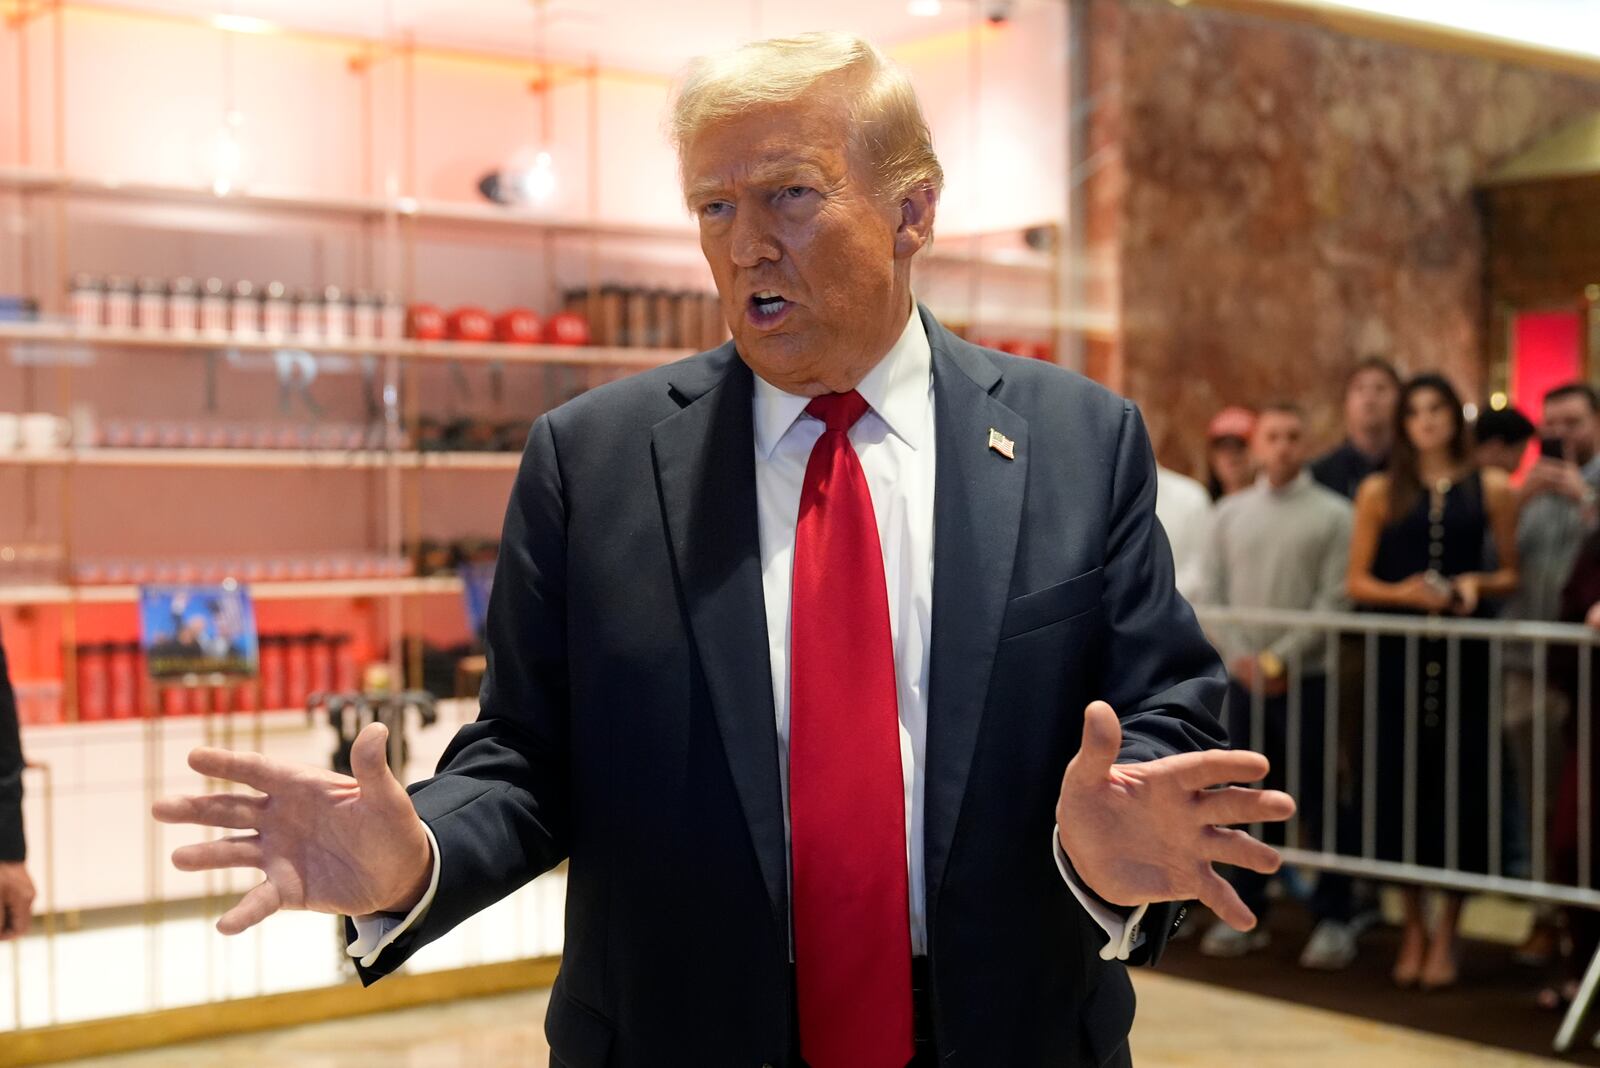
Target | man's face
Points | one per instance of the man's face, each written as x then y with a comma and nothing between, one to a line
1230,460
1574,422
1278,446
1370,401
811,266
1502,454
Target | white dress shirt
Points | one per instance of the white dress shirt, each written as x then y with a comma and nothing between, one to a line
1184,508
895,443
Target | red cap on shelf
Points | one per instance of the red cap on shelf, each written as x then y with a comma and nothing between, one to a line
567,328
518,326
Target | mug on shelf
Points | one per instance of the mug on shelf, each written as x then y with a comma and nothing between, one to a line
39,432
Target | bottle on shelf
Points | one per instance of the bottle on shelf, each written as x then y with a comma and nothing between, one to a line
307,316
335,315
87,297
122,670
391,317
119,303
246,310
152,306
639,329
94,697
183,308
277,313
214,308
274,692
663,320
363,316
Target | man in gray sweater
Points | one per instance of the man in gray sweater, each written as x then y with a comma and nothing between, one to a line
1282,543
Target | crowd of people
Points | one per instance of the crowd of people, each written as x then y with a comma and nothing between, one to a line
1421,511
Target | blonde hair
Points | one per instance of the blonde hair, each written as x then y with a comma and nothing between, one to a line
886,123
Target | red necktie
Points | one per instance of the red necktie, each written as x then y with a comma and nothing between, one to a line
852,936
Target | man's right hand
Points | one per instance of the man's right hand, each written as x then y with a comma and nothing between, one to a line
16,900
1560,477
325,842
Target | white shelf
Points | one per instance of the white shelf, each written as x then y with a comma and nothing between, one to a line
466,461
321,459
273,721
444,213
329,589
33,179
584,355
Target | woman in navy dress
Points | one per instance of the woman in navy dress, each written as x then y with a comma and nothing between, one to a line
1417,549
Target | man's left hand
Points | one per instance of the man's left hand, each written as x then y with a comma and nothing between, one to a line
1246,670
1147,832
16,900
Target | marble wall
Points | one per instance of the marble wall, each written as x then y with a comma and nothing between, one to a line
1284,200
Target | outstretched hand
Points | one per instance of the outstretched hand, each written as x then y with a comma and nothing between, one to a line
1148,832
324,842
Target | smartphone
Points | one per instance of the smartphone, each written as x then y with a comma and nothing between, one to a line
1552,448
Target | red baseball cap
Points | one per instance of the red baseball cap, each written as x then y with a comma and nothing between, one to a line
1232,422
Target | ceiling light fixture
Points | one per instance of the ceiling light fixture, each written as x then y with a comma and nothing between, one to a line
242,24
927,9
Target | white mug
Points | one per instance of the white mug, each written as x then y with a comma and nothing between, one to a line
41,431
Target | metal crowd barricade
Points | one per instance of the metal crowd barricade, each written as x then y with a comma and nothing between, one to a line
1538,640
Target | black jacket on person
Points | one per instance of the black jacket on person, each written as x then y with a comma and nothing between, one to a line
12,846
1343,469
627,723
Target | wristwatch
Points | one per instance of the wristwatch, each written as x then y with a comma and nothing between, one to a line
1271,665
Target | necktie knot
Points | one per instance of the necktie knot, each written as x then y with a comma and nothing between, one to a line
838,411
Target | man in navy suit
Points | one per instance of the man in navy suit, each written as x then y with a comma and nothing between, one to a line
798,649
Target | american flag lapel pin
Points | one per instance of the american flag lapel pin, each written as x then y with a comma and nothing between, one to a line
1002,444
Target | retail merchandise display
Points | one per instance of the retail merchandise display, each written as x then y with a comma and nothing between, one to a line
350,710
1036,350
244,311
638,317
230,434
111,678
433,557
32,433
184,308
42,434
311,567
613,315
15,309
470,434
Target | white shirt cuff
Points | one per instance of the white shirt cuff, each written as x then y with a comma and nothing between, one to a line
377,932
1122,935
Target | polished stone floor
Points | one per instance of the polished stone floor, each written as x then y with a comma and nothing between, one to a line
1180,1025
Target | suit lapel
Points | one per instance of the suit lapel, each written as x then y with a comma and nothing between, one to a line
977,513
705,475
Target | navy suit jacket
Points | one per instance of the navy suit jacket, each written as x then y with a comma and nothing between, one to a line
627,723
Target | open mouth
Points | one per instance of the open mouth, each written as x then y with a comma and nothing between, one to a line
768,307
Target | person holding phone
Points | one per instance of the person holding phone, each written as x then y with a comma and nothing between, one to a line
1417,549
1557,512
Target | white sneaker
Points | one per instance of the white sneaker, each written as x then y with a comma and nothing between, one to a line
1331,947
1223,941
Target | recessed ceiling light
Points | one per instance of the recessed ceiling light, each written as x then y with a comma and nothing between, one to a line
925,8
242,24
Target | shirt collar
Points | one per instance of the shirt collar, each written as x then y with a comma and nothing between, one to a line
897,389
1295,485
